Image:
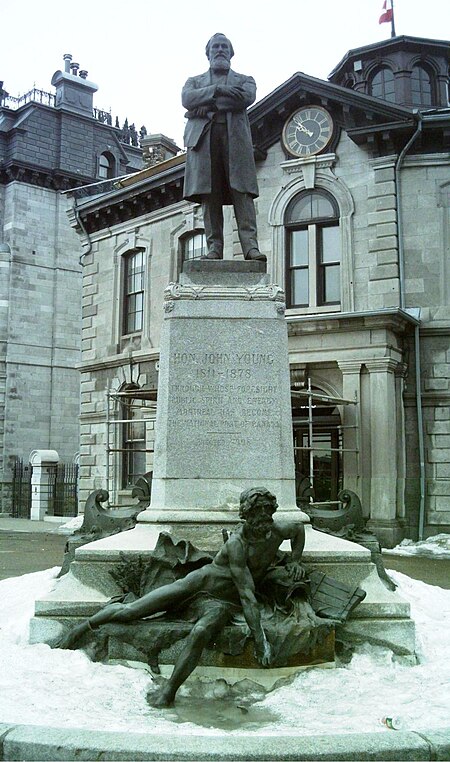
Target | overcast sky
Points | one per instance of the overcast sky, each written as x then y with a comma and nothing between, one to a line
140,52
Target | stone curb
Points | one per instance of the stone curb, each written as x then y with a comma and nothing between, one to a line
36,743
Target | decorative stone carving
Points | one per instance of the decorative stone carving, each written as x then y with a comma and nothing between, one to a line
176,291
350,524
100,522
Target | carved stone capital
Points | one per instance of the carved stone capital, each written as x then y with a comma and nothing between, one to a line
401,370
349,366
382,365
298,374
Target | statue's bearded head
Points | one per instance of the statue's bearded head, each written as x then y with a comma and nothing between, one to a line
219,51
257,506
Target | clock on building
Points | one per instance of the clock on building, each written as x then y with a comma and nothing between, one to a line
307,131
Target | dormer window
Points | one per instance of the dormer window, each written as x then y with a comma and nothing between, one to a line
106,166
382,84
421,86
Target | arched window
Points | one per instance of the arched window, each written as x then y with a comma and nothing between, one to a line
133,296
382,84
421,86
193,246
106,166
313,249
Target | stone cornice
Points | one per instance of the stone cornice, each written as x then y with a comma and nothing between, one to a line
124,204
42,177
396,320
429,399
435,330
116,361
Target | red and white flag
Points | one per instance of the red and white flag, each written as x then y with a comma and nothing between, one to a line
388,13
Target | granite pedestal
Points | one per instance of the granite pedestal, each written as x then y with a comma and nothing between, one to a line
224,406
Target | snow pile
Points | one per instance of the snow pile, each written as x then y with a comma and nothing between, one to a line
71,526
434,547
41,686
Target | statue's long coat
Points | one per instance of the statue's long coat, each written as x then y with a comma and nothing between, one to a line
198,93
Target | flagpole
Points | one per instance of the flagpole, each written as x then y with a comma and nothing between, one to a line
393,20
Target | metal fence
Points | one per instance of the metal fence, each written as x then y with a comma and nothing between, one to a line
21,490
60,494
63,491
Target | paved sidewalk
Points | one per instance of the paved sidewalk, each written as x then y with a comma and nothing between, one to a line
8,524
29,546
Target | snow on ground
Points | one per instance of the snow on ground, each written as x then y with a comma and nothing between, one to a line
71,526
434,547
41,686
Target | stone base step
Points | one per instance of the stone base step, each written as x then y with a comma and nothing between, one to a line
383,615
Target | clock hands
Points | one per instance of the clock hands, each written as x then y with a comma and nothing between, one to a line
301,127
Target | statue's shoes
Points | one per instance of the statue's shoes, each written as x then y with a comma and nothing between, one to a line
256,255
212,255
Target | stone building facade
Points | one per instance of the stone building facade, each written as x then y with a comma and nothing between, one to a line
354,219
49,143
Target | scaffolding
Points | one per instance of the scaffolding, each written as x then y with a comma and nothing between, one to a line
140,405
141,402
315,400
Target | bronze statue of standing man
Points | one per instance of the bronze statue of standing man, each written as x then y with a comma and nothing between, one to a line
220,167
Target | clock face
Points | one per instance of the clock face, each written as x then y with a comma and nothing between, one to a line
307,131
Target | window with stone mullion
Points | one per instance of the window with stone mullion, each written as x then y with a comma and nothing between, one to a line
134,292
194,246
421,89
313,250
329,265
134,443
383,84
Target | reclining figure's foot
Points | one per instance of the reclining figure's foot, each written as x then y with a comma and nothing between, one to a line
162,697
69,639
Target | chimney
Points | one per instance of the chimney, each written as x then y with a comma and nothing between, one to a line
73,93
157,148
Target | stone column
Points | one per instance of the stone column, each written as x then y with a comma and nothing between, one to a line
400,375
44,463
351,390
383,441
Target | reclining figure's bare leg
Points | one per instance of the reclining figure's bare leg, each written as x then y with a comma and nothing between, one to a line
198,638
161,599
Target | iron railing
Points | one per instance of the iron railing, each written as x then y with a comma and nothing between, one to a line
33,96
63,491
21,490
60,494
128,135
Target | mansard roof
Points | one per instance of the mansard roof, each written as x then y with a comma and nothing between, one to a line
425,45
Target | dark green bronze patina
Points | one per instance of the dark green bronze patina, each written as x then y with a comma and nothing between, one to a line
247,578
